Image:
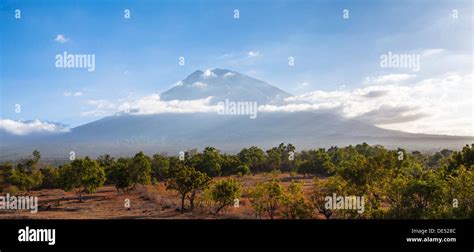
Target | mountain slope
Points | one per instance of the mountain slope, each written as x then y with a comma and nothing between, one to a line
224,84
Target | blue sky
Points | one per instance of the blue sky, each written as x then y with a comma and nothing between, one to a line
139,56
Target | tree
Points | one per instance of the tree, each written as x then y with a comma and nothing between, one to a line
106,162
50,177
36,156
210,162
25,180
5,172
187,181
126,173
230,164
316,162
120,175
464,157
274,158
26,176
254,157
295,205
140,169
322,189
418,197
243,170
461,193
224,192
83,176
285,150
265,198
160,166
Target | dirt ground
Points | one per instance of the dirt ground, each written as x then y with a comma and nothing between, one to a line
146,202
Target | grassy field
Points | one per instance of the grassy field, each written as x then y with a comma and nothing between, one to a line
146,202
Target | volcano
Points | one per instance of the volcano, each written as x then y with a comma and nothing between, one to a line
126,133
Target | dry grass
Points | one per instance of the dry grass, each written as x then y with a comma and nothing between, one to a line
150,201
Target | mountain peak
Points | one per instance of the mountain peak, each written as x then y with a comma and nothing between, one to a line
224,84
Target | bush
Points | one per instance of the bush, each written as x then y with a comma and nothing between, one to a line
243,170
265,198
323,188
11,189
50,178
26,180
295,205
224,192
26,176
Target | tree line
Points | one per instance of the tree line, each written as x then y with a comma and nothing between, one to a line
395,183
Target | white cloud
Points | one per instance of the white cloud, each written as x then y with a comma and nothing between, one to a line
431,52
102,104
440,105
94,113
208,74
78,93
154,105
28,127
199,84
177,84
101,108
295,107
252,54
389,78
151,104
228,74
61,39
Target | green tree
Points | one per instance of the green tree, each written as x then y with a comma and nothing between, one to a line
140,169
27,176
323,188
461,193
224,192
25,180
106,162
243,170
120,175
266,197
274,158
418,197
230,164
50,177
211,162
188,182
254,157
458,158
316,162
295,205
83,176
160,166
5,172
